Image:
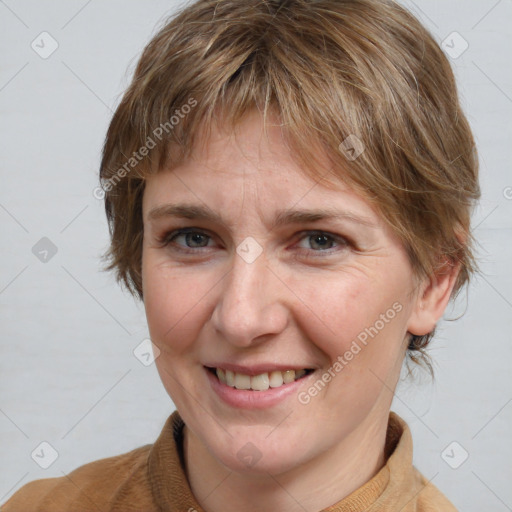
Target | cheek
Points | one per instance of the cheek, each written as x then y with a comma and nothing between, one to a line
176,309
353,315
173,305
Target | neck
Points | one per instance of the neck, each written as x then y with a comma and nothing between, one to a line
333,475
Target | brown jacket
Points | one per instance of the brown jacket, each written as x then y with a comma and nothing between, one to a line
152,479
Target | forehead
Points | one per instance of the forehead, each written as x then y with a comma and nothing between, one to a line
252,155
231,187
251,144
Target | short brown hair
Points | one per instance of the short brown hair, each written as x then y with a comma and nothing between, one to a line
330,70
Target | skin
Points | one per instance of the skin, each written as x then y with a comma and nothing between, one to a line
299,302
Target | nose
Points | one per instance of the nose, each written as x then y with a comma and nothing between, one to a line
251,304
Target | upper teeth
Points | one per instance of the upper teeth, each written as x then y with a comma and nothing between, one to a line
259,382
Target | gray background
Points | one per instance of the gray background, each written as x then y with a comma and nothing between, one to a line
68,375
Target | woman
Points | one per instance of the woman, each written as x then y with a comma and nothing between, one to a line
288,187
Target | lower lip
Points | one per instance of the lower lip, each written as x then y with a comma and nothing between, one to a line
247,399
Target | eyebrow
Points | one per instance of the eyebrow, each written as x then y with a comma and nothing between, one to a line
282,217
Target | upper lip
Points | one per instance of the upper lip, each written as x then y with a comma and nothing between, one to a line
257,369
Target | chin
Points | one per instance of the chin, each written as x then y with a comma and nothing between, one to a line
257,454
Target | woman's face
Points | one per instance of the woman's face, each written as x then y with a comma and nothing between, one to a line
257,289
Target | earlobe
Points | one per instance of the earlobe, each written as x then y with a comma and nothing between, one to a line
432,299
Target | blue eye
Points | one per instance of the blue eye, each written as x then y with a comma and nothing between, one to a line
318,243
193,239
323,241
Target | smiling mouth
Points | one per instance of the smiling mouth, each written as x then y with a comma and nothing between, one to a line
261,382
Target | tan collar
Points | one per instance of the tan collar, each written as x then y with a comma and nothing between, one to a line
172,492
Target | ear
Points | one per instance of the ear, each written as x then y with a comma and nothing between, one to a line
432,299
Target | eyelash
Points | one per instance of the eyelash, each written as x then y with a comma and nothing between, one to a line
168,238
